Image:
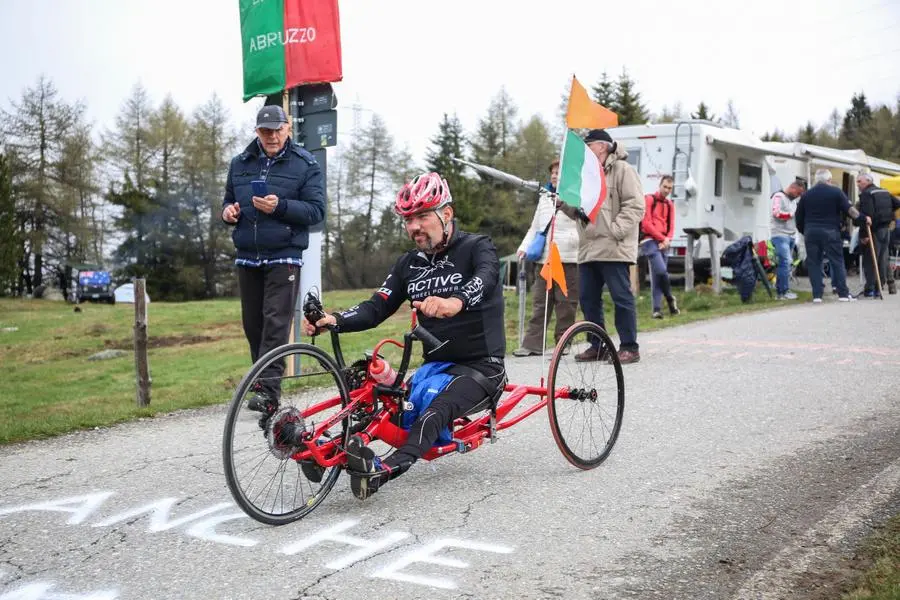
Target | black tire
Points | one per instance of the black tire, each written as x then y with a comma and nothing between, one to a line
247,448
600,409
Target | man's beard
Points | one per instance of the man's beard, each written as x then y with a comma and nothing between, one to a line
425,245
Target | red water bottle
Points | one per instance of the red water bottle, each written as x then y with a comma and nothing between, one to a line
381,372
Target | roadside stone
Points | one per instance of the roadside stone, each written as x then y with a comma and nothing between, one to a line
107,354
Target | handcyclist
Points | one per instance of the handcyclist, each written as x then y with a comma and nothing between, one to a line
452,279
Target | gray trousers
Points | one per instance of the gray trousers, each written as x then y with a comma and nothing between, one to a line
565,307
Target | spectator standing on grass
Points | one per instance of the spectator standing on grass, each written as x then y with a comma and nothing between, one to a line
565,234
784,229
818,218
879,205
608,247
270,234
657,229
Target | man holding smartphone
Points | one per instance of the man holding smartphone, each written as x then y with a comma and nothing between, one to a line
274,193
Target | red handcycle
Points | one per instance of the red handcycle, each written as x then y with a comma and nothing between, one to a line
281,465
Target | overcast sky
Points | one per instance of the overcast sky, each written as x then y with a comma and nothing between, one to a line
781,61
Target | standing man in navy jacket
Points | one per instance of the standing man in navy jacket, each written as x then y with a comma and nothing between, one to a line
818,218
270,234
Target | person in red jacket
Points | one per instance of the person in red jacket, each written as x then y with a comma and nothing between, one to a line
657,229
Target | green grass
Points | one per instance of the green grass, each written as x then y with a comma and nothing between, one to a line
698,305
882,580
197,355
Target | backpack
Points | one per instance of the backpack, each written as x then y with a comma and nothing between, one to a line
656,200
883,207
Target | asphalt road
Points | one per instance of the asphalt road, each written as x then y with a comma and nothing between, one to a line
755,451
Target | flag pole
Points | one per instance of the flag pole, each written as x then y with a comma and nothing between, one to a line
549,283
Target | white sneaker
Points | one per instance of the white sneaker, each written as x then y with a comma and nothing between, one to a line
817,301
790,296
846,299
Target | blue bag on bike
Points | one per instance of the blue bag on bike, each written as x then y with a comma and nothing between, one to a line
429,381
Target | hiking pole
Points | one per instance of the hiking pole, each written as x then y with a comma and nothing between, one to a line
520,287
874,260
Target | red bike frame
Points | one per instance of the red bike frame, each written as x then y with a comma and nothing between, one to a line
384,409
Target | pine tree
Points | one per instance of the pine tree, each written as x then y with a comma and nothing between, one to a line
604,92
449,143
129,147
375,167
10,244
628,102
877,136
731,118
856,118
834,124
670,115
534,151
807,134
492,144
496,131
79,230
703,113
776,136
36,130
209,147
131,151
167,136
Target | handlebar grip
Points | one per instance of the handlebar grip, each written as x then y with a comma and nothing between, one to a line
430,342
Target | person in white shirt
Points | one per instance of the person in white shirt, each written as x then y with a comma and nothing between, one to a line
565,234
784,229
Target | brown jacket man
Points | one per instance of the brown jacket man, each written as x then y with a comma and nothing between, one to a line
609,246
614,237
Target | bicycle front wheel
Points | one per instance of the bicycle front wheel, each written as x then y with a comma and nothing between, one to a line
586,398
294,387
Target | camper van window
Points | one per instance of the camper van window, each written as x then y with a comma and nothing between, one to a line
749,176
634,158
720,172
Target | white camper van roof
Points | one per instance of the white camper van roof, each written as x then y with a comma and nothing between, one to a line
711,133
724,138
832,157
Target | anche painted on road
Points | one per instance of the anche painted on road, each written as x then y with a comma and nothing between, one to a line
723,454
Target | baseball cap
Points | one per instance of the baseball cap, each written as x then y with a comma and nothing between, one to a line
270,117
597,135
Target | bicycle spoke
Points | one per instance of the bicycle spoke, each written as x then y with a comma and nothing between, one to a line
258,457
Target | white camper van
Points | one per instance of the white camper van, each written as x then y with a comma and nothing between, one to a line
844,165
723,179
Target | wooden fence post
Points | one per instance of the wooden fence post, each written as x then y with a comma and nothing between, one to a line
141,364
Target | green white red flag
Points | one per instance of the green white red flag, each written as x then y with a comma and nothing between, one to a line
582,183
287,43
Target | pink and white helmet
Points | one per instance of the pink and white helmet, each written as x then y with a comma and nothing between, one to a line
428,191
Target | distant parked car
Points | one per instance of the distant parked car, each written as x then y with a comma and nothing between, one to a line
90,283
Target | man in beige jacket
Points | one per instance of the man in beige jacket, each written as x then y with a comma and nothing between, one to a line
607,247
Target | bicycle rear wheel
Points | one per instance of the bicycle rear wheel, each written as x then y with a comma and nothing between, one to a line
586,399
264,480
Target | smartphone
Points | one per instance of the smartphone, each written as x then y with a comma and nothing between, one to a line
259,188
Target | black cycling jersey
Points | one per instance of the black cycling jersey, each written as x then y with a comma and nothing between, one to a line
468,269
